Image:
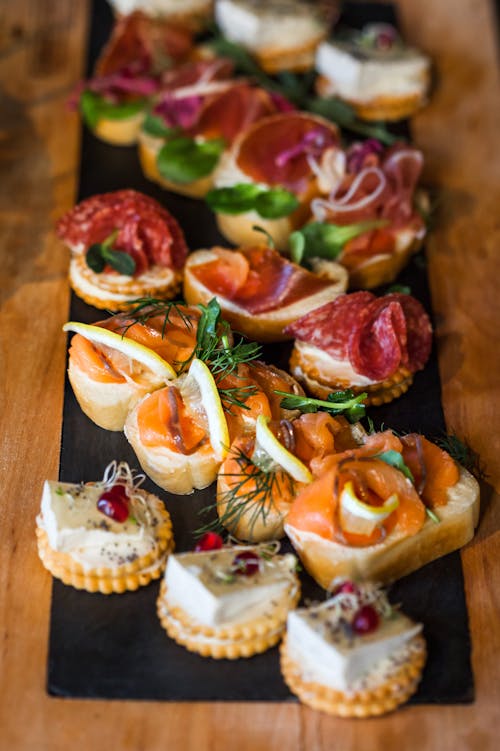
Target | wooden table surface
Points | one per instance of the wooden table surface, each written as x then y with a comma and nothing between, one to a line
42,47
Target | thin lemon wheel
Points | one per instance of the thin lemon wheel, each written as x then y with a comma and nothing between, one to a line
211,403
266,441
351,504
128,347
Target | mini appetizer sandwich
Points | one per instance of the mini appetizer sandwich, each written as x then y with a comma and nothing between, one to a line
280,34
124,245
195,124
114,363
363,343
228,602
354,655
107,536
375,72
128,74
269,177
383,510
194,15
179,433
372,221
259,291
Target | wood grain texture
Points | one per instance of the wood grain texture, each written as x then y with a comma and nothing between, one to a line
41,55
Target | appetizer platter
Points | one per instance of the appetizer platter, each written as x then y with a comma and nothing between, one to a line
392,489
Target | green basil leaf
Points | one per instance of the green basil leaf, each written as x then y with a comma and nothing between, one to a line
395,459
94,258
121,262
154,125
184,160
94,108
236,199
275,203
323,240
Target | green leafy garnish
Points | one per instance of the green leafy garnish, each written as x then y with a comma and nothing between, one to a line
269,237
435,518
338,402
395,459
323,240
462,453
154,125
343,114
184,160
143,308
101,254
269,203
251,492
403,289
95,107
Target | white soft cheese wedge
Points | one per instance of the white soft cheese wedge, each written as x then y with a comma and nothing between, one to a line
330,655
363,76
74,525
202,586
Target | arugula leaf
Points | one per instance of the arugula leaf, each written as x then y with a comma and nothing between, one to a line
154,125
337,402
184,160
101,254
94,108
395,459
323,240
269,203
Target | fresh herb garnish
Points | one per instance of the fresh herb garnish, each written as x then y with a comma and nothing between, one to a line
463,454
435,518
338,402
94,108
344,115
256,499
184,160
101,254
395,459
154,125
269,203
323,240
402,289
269,237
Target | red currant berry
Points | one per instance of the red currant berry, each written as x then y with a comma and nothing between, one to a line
346,587
209,541
365,620
114,503
246,563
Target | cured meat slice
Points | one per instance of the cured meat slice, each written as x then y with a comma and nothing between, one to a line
376,335
146,230
278,150
265,282
198,72
330,327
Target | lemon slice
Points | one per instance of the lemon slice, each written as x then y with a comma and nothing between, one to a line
271,453
128,347
211,403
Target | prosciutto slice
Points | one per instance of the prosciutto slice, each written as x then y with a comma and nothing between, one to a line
376,335
146,230
278,150
257,279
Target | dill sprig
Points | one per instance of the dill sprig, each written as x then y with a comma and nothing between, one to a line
144,308
463,454
338,402
256,500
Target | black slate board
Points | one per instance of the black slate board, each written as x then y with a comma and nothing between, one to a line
113,647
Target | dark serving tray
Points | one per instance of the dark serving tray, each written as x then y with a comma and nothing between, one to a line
113,646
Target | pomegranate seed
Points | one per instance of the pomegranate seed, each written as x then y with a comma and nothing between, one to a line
114,503
246,563
346,587
365,620
209,541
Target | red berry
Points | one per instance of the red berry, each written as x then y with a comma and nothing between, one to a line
209,541
346,587
246,563
114,503
365,620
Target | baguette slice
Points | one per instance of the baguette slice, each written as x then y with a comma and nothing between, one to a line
398,555
263,327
